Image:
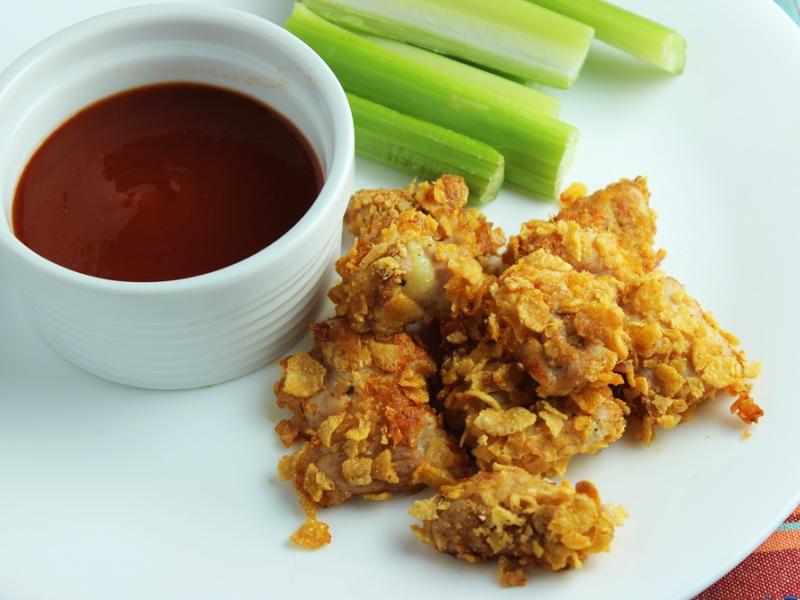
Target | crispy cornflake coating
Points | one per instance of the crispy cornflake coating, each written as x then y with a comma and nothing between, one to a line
370,211
544,437
479,376
680,357
360,404
564,325
608,233
406,275
488,395
543,354
521,518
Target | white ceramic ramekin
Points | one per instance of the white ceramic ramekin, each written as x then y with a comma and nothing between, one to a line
200,330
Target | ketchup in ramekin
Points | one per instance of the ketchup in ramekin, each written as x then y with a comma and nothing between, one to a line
165,182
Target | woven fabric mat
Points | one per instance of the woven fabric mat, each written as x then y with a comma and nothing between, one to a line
772,572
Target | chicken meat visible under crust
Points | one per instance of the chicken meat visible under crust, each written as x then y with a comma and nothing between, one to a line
406,275
679,357
519,518
360,405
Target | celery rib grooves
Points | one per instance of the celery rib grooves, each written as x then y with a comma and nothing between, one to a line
537,149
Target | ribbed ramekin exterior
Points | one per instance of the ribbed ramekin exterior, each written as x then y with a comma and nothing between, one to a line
235,339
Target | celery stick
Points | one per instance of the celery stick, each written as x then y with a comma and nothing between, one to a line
527,97
424,149
537,149
643,38
510,36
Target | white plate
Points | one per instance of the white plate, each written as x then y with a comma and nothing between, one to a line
113,492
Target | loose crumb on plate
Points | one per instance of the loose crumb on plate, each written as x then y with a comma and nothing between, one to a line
312,534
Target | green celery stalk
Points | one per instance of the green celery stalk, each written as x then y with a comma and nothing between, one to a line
424,149
527,97
509,36
537,149
636,35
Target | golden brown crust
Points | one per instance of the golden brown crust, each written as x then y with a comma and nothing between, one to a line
608,233
445,201
563,325
512,514
545,436
370,211
366,423
540,359
479,376
487,394
405,275
680,357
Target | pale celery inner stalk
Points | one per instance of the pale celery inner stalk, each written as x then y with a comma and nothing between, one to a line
512,36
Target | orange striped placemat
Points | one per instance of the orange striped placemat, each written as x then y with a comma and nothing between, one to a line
771,572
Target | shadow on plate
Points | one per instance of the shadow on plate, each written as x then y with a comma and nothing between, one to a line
610,67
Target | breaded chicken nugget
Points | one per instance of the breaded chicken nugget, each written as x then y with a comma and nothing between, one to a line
679,357
519,518
360,403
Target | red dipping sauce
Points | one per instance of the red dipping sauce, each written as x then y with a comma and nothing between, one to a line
165,182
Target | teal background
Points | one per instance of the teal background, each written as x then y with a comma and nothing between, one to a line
792,8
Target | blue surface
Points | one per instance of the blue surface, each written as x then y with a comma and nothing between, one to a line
792,8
